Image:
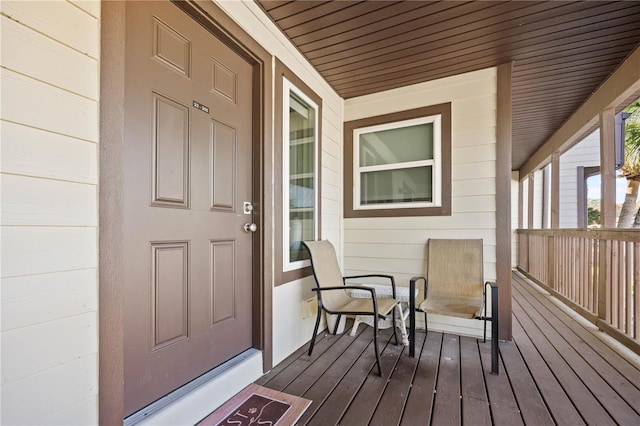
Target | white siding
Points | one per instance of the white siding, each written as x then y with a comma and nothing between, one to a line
397,245
50,91
290,329
585,153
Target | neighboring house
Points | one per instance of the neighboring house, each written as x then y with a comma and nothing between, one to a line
584,154
77,237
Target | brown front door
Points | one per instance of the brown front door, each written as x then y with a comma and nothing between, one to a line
187,174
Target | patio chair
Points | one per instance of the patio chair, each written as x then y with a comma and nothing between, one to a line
454,287
333,298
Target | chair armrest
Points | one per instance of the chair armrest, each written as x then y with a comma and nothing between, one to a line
493,288
353,287
389,277
346,287
412,290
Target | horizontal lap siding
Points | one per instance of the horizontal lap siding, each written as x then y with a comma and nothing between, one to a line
397,245
50,104
290,329
585,153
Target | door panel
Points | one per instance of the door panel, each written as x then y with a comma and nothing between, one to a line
187,171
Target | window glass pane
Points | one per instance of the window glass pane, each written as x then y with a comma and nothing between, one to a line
412,143
396,186
301,176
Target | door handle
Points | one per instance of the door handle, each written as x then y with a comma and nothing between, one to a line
250,227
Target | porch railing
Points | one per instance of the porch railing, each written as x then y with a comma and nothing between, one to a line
596,272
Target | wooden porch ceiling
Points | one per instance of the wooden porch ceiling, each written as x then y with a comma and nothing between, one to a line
562,51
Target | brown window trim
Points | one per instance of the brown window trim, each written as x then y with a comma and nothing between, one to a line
445,209
282,277
584,173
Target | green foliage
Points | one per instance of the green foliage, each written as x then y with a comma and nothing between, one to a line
593,216
631,166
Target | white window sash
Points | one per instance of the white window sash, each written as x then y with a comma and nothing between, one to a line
289,87
436,176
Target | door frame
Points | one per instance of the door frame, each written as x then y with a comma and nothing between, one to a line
111,191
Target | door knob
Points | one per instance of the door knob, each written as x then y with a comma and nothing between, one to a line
250,227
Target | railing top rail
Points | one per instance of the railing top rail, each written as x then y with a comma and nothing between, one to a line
632,235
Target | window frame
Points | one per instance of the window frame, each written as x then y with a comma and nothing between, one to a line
441,196
287,89
282,274
436,120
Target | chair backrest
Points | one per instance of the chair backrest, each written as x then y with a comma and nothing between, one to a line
454,268
327,273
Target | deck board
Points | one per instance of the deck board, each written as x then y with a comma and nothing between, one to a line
366,401
591,349
389,410
557,401
446,407
322,388
588,406
530,402
475,402
337,403
504,407
420,402
555,371
611,402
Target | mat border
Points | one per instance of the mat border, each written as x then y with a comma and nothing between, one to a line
290,417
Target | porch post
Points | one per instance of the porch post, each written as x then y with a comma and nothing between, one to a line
607,169
607,203
503,199
521,204
530,195
555,190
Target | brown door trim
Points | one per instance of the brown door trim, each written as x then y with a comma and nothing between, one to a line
111,294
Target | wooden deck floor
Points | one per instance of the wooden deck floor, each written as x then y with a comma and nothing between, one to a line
555,371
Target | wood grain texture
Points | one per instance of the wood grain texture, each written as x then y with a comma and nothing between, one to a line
35,299
61,21
30,201
45,59
37,104
34,152
541,381
37,250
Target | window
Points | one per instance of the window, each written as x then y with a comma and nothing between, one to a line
300,178
297,131
399,164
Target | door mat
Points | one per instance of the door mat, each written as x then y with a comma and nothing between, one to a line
257,405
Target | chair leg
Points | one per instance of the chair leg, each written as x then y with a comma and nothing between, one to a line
393,321
375,343
335,327
426,325
315,331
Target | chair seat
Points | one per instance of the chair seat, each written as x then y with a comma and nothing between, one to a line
452,306
385,305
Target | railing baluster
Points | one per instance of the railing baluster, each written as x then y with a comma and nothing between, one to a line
636,291
628,288
596,271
